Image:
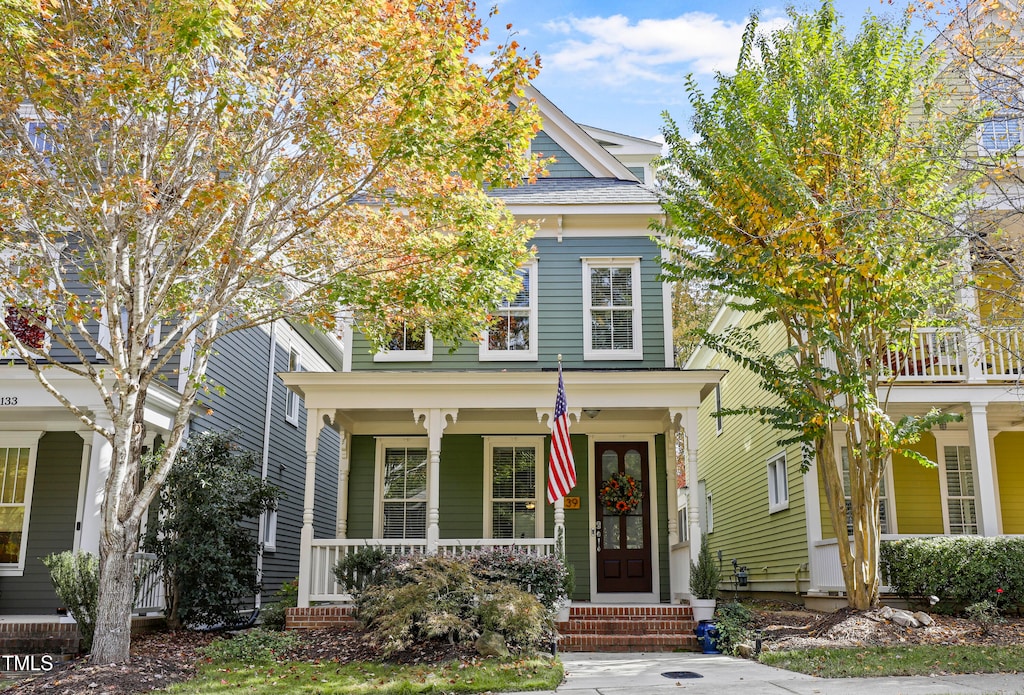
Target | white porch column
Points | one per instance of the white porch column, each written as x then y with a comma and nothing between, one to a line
981,449
434,420
692,476
314,423
672,500
100,452
344,466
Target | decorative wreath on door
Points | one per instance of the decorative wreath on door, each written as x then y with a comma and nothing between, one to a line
620,494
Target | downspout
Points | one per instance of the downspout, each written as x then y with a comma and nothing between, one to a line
266,453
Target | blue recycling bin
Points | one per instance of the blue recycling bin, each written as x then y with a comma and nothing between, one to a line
707,636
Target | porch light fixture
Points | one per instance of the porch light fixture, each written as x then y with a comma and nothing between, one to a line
531,505
591,412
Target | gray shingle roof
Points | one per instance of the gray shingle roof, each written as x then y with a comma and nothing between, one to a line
576,191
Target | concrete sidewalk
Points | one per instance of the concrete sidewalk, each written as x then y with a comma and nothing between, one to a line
628,674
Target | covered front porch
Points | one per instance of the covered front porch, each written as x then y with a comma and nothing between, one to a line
455,462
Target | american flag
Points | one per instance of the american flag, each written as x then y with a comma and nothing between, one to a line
561,469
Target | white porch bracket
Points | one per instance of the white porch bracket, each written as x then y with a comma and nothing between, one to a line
981,448
314,423
435,420
574,414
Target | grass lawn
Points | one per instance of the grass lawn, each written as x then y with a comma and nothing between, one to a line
916,660
357,678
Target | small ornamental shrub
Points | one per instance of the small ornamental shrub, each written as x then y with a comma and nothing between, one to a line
76,580
985,613
733,622
250,647
362,568
545,576
960,570
705,574
515,614
274,613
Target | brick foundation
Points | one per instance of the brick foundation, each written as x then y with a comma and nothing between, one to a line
319,617
38,638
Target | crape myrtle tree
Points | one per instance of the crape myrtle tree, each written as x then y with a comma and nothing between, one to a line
817,195
204,167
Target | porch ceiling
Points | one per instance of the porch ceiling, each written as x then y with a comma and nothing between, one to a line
1002,416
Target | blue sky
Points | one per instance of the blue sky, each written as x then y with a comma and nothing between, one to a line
617,64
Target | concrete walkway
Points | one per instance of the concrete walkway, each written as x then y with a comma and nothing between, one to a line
640,674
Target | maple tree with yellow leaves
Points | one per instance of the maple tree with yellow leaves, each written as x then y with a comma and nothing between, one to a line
212,166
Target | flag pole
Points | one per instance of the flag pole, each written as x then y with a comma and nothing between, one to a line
559,521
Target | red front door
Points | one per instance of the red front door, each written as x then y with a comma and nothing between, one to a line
624,535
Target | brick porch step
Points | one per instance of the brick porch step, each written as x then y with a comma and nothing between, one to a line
38,638
658,628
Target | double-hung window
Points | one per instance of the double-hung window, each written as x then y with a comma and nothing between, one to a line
401,509
778,484
611,303
17,469
512,334
1001,131
291,403
957,485
514,471
883,498
408,342
27,326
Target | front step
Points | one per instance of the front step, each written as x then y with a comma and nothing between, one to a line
654,628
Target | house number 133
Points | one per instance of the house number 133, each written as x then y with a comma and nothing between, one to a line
8,400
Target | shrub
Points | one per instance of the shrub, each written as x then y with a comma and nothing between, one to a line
251,647
362,568
438,597
287,597
733,622
204,549
545,576
985,613
76,579
705,574
960,570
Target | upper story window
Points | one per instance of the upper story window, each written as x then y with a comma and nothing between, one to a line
611,303
291,403
27,326
1001,131
513,333
409,342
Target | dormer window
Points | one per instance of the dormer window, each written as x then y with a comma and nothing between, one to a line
513,333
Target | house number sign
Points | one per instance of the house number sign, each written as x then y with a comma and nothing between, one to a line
8,400
572,502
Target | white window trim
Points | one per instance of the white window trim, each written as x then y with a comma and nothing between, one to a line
719,425
291,401
424,355
488,355
30,441
980,134
778,502
521,442
589,353
941,443
839,442
103,332
269,534
378,478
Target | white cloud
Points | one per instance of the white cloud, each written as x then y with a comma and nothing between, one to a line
617,50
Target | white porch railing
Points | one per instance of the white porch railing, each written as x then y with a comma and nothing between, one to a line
1003,354
150,597
935,354
326,553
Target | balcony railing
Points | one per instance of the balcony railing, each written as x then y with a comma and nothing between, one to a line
326,553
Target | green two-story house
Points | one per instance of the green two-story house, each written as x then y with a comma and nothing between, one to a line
448,451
